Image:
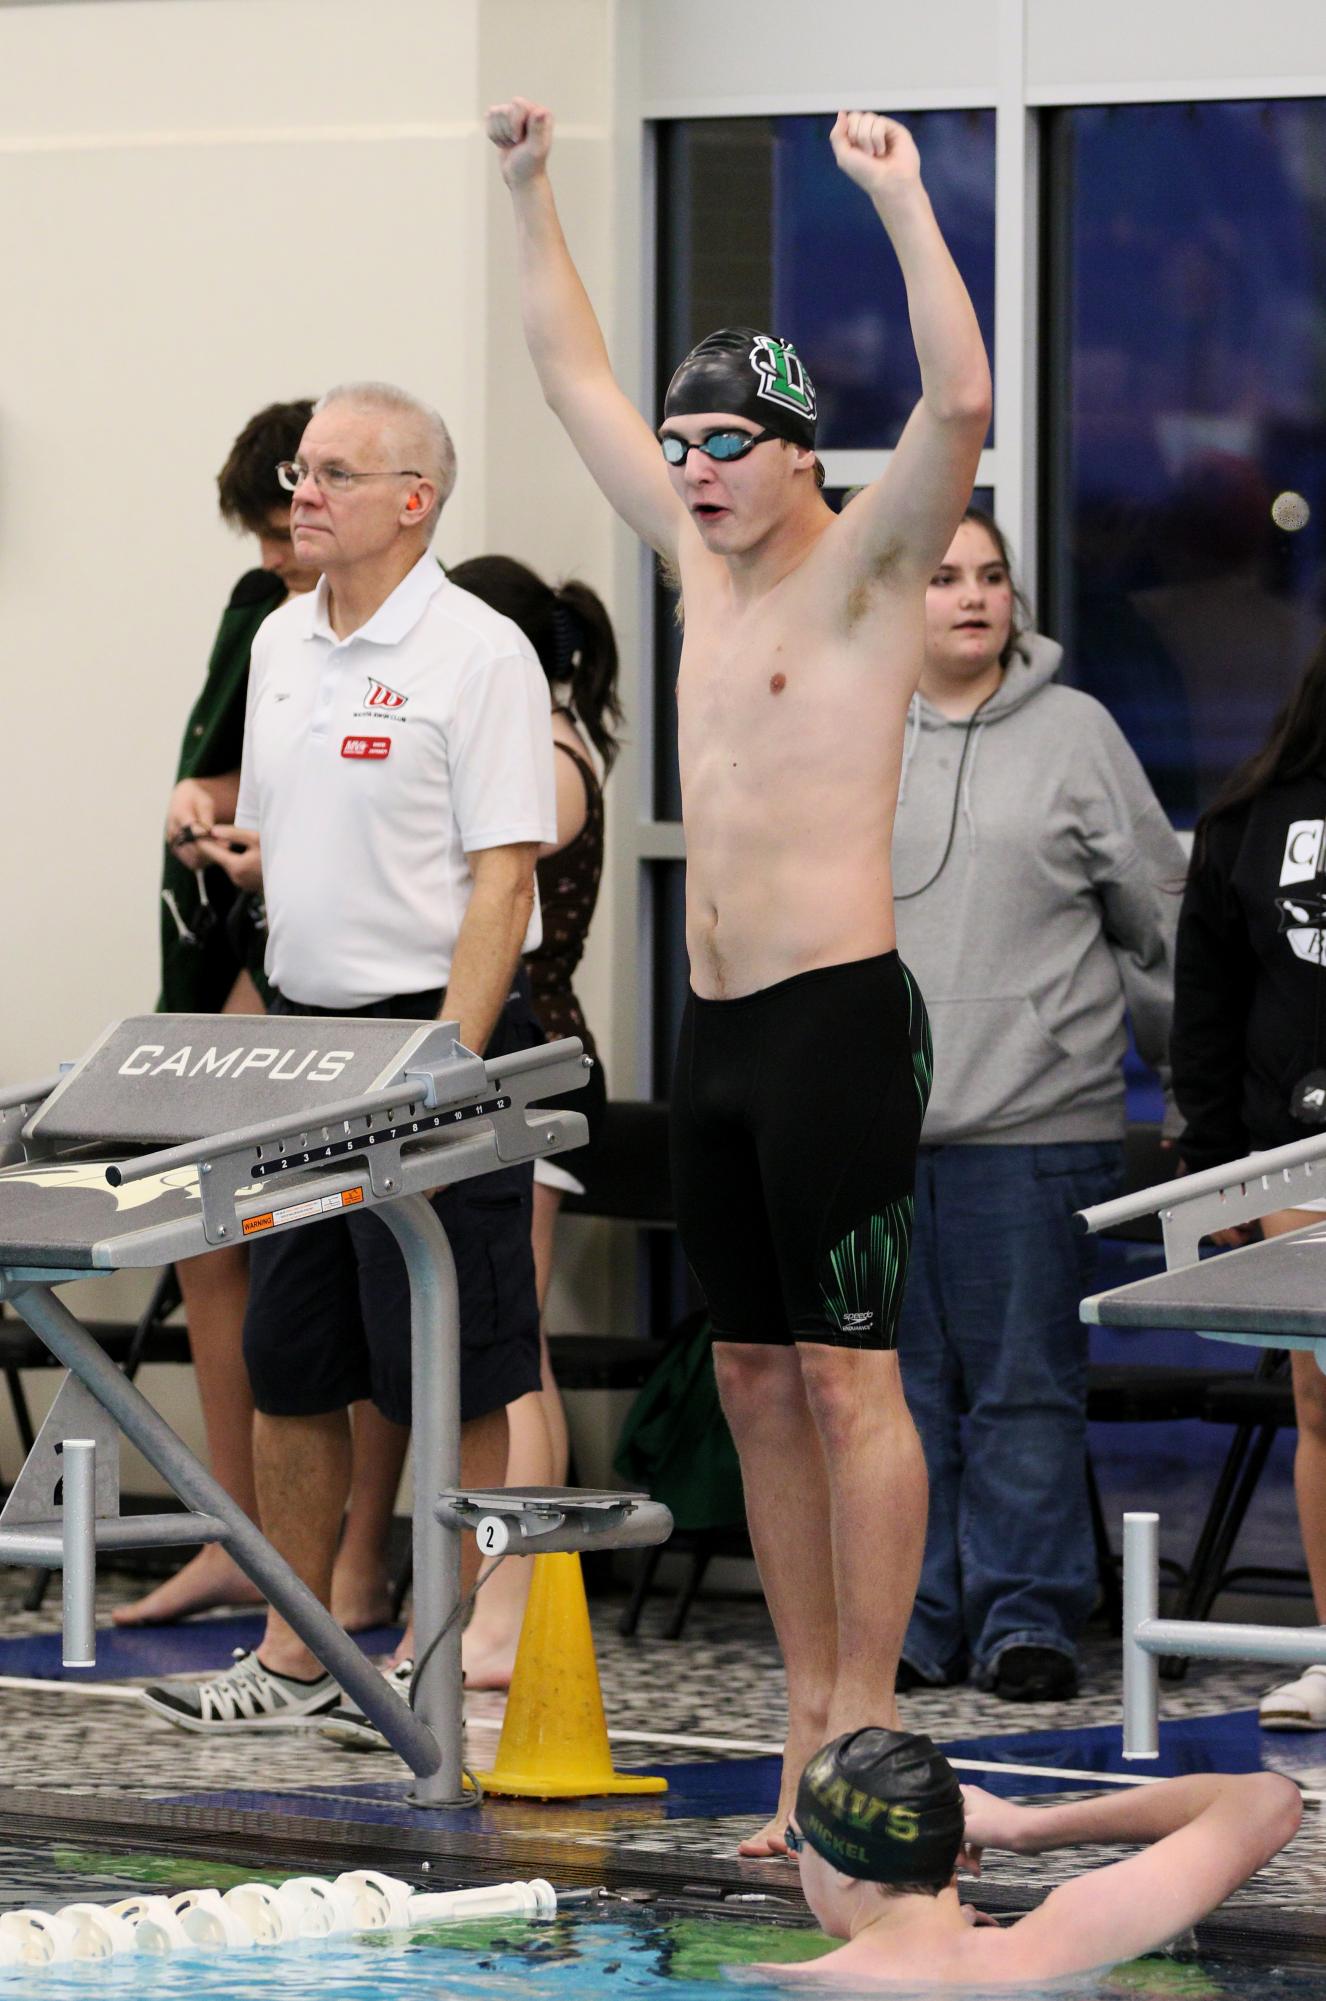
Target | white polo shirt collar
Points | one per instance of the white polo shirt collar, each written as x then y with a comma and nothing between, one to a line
395,617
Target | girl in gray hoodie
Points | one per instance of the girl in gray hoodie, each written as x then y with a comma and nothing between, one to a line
1037,885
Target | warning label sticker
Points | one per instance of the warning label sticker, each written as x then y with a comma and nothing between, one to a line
299,1212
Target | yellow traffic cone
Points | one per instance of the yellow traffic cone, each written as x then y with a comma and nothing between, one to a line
554,1742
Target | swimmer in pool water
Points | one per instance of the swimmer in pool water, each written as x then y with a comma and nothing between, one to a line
882,1827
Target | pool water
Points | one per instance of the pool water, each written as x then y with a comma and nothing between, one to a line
617,1955
615,1951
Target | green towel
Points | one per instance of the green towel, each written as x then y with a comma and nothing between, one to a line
675,1443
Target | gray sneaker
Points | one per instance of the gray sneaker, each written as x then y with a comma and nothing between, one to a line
247,1696
347,1724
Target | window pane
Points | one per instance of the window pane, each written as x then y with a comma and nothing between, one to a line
758,227
1185,546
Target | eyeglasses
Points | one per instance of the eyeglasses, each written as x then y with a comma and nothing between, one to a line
721,445
333,478
795,1840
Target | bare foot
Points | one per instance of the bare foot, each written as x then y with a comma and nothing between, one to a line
802,1741
488,1661
207,1581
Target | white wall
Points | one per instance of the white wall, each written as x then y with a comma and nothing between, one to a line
771,55
203,206
768,55
1177,49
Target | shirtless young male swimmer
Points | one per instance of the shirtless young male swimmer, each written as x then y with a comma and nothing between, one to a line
883,1824
804,1058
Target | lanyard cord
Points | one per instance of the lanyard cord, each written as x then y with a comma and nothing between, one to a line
906,895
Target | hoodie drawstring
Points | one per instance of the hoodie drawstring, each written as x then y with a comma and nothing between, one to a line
967,813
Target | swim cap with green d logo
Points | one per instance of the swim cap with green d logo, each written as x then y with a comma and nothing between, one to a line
884,1806
741,372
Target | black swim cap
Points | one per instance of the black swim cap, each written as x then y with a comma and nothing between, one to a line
884,1806
748,374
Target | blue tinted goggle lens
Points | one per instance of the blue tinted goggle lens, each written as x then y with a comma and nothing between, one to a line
721,445
728,444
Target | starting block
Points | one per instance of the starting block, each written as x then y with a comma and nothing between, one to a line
1264,1295
176,1135
538,1521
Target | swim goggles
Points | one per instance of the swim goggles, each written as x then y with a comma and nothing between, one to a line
721,445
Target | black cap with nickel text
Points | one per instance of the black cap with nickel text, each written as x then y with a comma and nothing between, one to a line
884,1806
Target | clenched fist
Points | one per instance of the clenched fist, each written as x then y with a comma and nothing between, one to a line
876,152
522,133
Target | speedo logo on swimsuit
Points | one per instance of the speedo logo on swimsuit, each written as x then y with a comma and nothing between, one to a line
783,378
274,1063
858,1322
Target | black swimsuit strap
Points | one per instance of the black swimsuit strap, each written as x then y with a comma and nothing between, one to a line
578,757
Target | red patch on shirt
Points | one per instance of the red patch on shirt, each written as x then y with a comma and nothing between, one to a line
366,746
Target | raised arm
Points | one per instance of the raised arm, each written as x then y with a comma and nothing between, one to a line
1206,1835
908,517
566,342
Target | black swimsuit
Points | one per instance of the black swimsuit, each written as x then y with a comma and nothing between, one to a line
796,1116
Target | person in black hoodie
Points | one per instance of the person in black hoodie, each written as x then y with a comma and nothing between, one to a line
1248,1044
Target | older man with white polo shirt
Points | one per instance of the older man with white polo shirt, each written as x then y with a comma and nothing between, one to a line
398,773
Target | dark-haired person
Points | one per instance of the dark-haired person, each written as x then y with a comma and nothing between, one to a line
1249,1040
212,942
571,632
1037,887
883,1826
802,647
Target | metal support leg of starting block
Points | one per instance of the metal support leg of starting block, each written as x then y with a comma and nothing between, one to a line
435,1445
1146,1637
1141,1667
80,1552
419,1110
406,1732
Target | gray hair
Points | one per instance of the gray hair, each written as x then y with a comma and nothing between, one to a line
430,438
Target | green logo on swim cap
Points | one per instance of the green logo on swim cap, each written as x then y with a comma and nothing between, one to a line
782,378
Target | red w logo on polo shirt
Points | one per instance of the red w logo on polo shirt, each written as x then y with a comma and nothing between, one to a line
380,696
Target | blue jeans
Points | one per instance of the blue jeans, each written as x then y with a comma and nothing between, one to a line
994,1363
